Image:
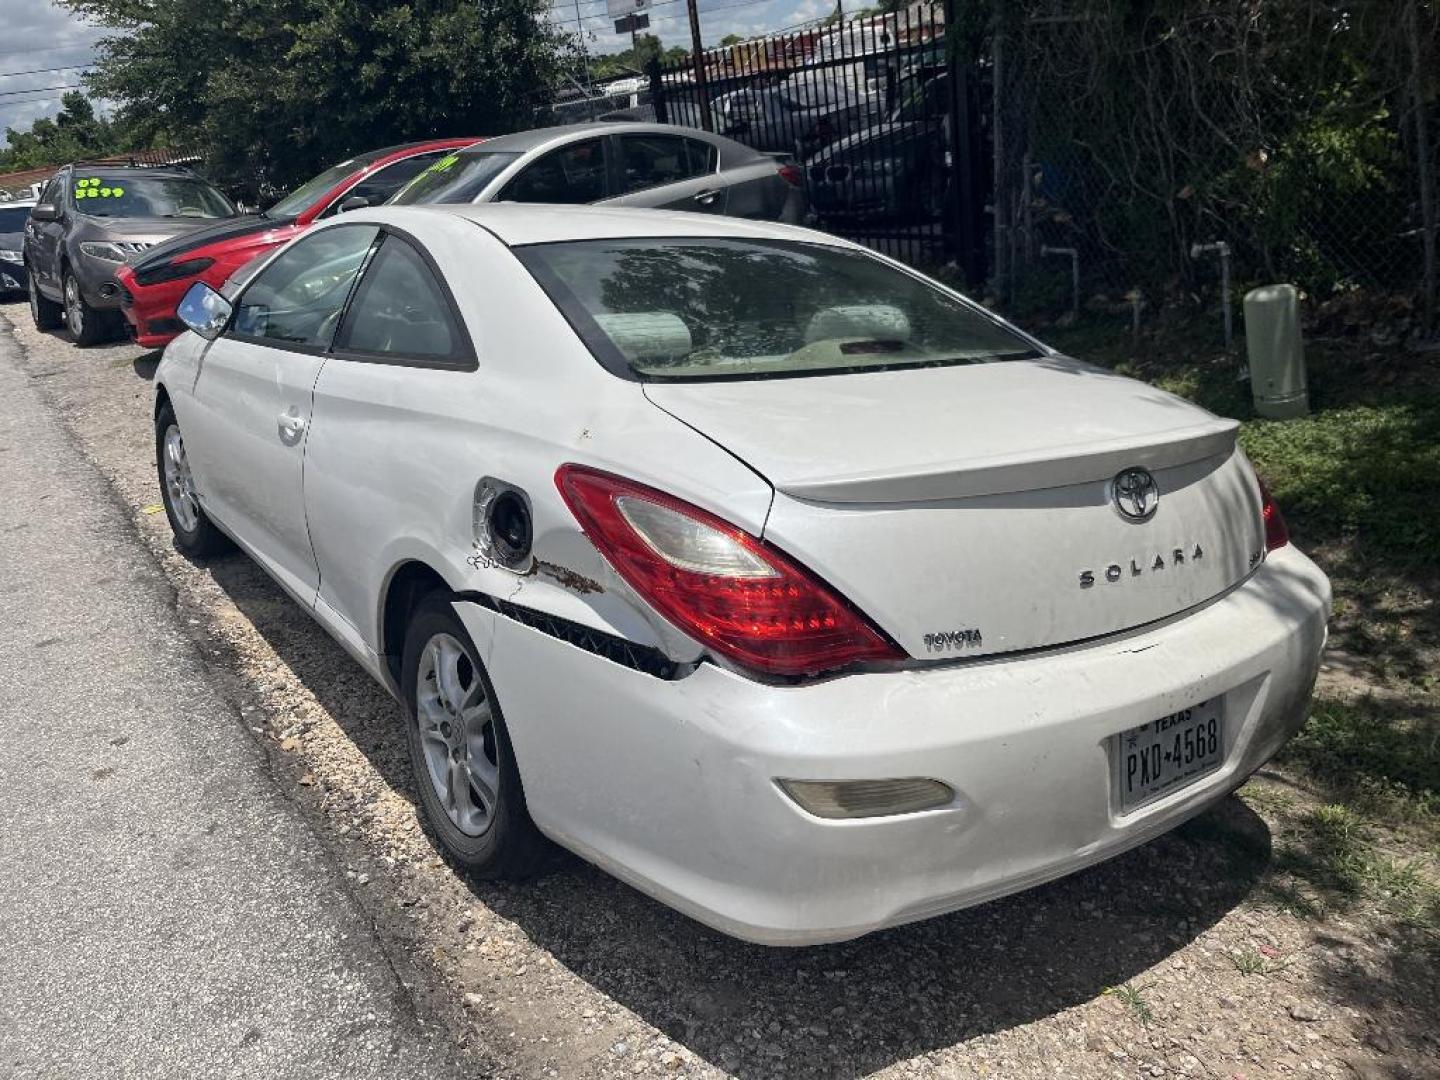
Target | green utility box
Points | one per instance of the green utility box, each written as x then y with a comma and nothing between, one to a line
1277,352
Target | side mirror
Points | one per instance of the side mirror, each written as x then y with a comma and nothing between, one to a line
45,211
354,202
204,310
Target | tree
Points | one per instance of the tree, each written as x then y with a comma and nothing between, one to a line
632,61
75,133
272,91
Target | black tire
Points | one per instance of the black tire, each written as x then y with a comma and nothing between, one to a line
197,539
87,325
509,846
48,315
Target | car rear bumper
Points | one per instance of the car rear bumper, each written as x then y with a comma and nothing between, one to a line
670,784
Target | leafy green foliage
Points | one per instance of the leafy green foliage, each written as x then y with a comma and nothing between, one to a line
75,133
272,91
1283,128
632,61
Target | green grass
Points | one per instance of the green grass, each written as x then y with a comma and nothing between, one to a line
1133,998
1249,960
1378,756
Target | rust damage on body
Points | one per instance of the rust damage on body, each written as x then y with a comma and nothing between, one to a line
566,577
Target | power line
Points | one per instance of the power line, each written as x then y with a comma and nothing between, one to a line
39,90
44,71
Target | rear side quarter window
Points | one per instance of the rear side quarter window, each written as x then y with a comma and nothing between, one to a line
403,313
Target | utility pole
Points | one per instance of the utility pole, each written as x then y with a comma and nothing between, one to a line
584,52
697,58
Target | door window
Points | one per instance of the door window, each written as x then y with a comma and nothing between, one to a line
297,299
401,311
648,161
381,184
571,174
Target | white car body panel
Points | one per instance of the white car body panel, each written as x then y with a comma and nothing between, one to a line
245,395
668,779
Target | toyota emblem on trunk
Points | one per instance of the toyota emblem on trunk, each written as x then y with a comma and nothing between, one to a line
1135,494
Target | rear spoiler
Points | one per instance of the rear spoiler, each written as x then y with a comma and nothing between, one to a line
1004,472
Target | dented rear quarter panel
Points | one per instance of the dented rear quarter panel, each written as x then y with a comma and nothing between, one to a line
394,453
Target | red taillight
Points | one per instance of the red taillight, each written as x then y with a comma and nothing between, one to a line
1276,533
745,600
792,175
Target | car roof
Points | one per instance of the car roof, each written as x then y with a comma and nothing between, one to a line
523,141
370,157
157,170
516,224
27,201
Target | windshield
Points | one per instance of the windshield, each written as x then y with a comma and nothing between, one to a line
735,309
12,218
455,178
301,199
139,195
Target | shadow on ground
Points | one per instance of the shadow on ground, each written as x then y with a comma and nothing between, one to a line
834,1011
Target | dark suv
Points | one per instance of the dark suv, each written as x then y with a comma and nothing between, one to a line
88,221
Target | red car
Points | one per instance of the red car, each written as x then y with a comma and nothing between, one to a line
154,283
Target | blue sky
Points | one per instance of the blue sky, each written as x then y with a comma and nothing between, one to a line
38,37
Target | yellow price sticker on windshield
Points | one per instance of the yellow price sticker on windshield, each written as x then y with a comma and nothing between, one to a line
90,188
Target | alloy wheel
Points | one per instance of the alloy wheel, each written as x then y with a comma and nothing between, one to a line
74,307
179,485
457,735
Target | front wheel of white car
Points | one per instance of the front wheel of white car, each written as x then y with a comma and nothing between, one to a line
469,786
195,535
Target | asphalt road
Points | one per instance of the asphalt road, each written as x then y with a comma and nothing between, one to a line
164,909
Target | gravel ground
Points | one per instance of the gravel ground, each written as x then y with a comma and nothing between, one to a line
1129,969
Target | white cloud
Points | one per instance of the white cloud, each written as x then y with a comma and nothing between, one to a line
671,23
39,35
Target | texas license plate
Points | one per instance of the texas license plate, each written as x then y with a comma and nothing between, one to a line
1156,758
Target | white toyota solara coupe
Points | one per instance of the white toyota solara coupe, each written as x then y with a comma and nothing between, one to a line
764,572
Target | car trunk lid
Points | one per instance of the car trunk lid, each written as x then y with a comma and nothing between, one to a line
971,510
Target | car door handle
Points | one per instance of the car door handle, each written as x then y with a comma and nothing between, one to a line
705,198
291,425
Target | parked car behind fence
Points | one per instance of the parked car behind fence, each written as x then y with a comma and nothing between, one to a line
615,164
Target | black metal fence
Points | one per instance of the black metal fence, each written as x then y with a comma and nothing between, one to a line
1090,162
883,126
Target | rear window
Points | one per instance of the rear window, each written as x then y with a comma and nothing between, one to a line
455,178
704,309
13,218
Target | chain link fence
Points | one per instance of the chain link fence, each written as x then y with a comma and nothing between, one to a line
1138,151
1072,154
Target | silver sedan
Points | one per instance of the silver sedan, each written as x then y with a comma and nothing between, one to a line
645,165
